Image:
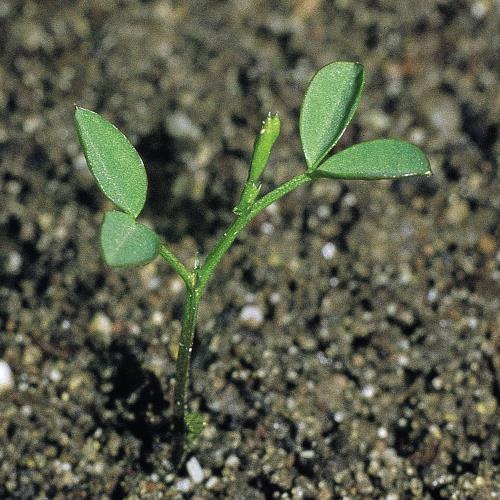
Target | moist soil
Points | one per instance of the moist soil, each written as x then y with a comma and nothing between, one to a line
348,346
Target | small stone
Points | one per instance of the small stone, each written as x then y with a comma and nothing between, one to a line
443,113
487,245
184,485
306,342
377,120
55,375
251,316
213,484
232,462
339,416
157,318
32,355
6,377
328,251
13,263
173,350
457,212
102,326
487,407
194,470
368,391
382,433
180,126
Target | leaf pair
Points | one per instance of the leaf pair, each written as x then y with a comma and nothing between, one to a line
329,105
120,173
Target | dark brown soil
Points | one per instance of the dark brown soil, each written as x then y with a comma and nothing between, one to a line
373,373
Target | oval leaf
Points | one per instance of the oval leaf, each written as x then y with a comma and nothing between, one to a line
379,159
114,162
125,242
329,105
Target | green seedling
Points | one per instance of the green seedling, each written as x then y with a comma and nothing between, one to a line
328,106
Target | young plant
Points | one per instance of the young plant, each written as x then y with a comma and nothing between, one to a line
328,106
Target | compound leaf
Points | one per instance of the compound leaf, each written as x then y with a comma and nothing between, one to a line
329,104
379,159
125,242
114,162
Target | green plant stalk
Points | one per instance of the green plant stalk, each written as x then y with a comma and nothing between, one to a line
178,266
195,286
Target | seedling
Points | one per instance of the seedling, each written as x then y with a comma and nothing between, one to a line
328,106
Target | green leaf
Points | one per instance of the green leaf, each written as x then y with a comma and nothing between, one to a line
195,425
114,162
329,105
379,159
125,242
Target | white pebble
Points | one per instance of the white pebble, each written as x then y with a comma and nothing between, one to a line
432,295
349,200
55,375
437,383
101,324
382,432
232,462
275,298
157,318
328,251
472,322
338,416
267,228
368,391
184,485
14,263
6,377
334,282
213,483
403,360
154,283
194,470
479,9
252,316
324,211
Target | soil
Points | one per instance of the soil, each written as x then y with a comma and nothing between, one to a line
348,346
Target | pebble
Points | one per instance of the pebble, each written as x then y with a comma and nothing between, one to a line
377,120
443,113
184,485
251,316
194,470
180,126
14,263
382,433
328,251
102,326
232,462
55,375
6,377
487,244
457,212
368,391
213,484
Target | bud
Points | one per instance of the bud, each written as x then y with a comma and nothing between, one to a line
263,144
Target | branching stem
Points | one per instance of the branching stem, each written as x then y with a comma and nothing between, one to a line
196,282
179,267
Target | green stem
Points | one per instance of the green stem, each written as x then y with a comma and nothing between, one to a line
195,285
207,269
178,266
182,370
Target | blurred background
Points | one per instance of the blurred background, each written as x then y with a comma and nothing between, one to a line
348,346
